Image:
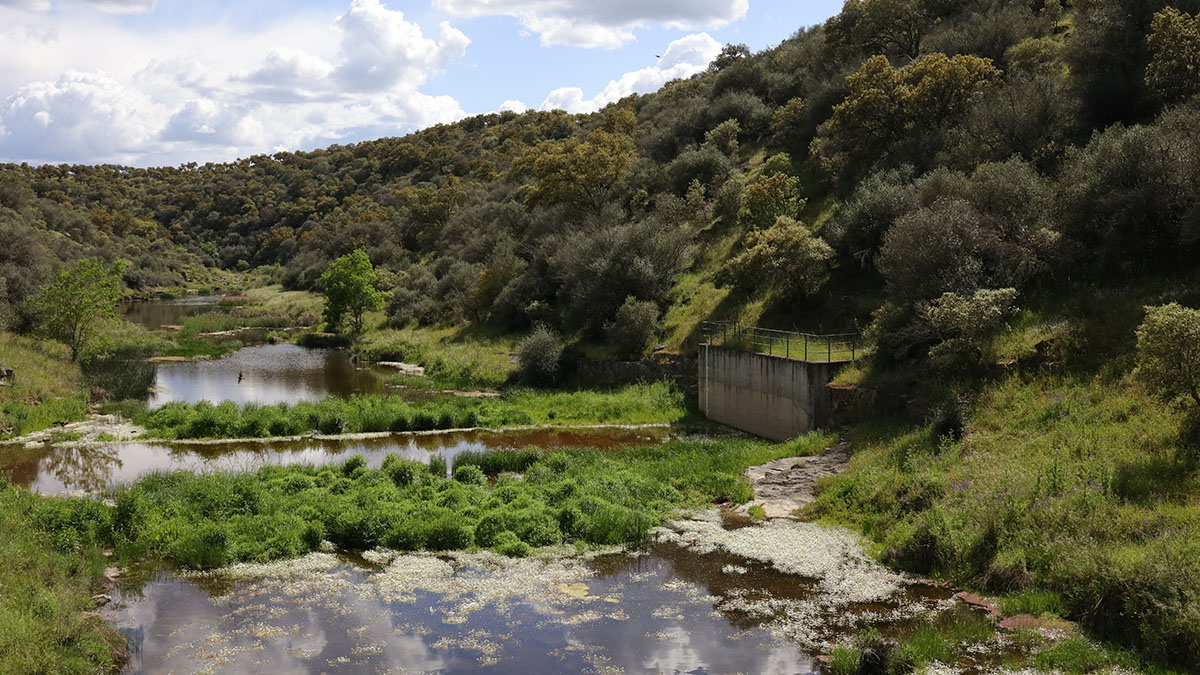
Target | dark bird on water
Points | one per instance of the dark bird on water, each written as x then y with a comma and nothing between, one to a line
240,376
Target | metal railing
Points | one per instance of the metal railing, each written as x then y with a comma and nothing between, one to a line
788,344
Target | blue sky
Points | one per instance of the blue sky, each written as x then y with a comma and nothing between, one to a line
149,83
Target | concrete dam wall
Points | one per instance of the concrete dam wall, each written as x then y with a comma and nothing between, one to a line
769,396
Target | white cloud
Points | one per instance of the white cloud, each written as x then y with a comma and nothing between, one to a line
108,6
514,106
79,115
684,57
381,49
190,95
600,23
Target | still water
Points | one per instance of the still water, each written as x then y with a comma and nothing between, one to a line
58,469
158,313
267,375
633,614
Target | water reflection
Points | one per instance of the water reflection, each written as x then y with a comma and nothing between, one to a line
57,469
268,375
158,313
649,612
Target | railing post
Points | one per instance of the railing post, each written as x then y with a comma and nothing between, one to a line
829,351
806,346
787,345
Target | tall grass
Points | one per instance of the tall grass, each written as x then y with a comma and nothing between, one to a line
637,404
49,562
1074,488
448,361
47,388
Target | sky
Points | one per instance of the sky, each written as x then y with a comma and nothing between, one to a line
165,82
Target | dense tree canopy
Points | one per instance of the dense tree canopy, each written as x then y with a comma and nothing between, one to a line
918,147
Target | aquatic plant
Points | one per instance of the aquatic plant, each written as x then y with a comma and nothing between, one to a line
655,403
583,496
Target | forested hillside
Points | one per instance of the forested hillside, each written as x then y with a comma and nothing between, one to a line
905,149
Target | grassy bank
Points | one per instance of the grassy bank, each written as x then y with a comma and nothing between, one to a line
572,496
45,588
46,387
451,360
638,404
1075,489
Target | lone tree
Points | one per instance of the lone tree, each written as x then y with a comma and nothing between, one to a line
78,301
349,285
1168,351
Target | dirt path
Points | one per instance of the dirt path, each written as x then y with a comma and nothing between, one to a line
784,485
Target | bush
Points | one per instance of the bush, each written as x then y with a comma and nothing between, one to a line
449,533
403,472
539,356
200,546
1168,351
469,475
632,328
966,326
509,545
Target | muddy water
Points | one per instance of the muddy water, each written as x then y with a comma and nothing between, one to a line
57,469
267,374
661,609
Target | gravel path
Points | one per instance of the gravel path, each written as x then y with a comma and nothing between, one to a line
784,485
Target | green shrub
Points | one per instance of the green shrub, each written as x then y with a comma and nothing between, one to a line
634,325
403,472
469,474
449,533
539,356
200,546
508,544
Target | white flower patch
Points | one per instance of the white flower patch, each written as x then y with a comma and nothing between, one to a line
470,582
832,557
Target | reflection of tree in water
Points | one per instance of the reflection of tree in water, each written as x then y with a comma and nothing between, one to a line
82,467
123,375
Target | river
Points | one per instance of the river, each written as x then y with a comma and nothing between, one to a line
709,594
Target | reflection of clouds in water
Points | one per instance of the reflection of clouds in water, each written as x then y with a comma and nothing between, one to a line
265,374
52,470
320,614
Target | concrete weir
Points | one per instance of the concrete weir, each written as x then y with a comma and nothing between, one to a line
769,396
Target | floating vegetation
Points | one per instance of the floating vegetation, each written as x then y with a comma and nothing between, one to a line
832,557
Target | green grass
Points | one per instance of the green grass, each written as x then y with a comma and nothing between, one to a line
303,307
451,359
656,403
579,496
45,589
47,388
1062,487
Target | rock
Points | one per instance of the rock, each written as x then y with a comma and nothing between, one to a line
785,485
101,599
112,573
6,377
404,368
